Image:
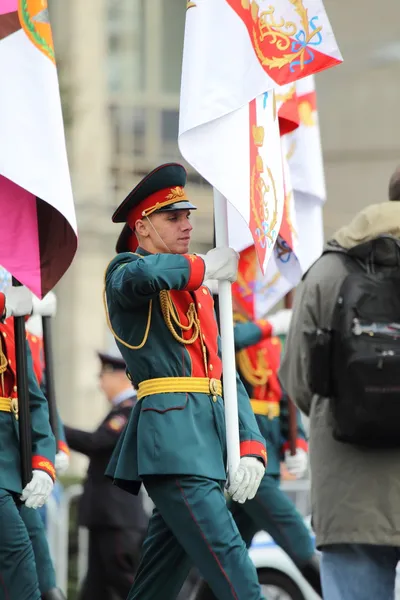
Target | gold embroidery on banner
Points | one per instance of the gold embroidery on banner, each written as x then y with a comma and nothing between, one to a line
258,186
258,135
291,150
244,285
280,34
288,203
254,11
306,114
271,282
274,105
287,96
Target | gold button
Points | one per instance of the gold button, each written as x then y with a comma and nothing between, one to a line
215,398
204,337
9,362
211,367
4,334
205,291
15,388
34,339
213,386
199,305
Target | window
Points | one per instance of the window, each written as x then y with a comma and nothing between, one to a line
145,41
169,135
173,16
126,46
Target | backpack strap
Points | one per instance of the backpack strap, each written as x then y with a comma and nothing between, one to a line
334,247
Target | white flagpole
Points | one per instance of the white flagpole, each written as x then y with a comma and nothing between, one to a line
227,341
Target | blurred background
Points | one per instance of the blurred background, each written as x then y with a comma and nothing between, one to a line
119,67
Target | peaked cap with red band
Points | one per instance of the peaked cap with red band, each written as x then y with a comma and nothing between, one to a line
161,190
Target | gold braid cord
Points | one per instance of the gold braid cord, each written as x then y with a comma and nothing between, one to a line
167,309
170,317
3,366
146,332
169,314
257,375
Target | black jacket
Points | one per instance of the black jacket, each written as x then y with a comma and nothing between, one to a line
103,505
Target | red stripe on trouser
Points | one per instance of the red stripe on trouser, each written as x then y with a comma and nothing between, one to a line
3,585
205,539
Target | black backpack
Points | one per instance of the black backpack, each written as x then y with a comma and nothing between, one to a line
356,364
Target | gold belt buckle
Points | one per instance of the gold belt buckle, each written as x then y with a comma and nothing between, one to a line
14,407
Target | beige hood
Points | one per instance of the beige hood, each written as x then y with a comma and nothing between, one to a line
377,219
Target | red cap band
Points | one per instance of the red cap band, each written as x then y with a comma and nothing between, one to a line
154,202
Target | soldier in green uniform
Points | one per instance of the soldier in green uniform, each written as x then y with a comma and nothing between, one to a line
18,577
32,519
258,358
163,320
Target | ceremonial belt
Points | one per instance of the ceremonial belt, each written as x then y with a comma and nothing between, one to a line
171,385
9,405
266,408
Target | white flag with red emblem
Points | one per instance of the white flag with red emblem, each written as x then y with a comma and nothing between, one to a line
304,159
301,235
234,52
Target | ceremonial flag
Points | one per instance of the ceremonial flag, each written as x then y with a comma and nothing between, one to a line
234,52
38,225
304,198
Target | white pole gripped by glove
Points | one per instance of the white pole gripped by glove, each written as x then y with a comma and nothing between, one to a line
221,264
38,490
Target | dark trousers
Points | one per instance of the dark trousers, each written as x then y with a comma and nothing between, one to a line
41,550
112,563
18,577
271,511
192,525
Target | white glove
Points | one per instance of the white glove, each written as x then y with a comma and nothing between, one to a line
46,307
38,490
61,463
245,482
280,321
297,464
18,301
212,285
221,264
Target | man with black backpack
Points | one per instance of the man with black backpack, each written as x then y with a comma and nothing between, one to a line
342,369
